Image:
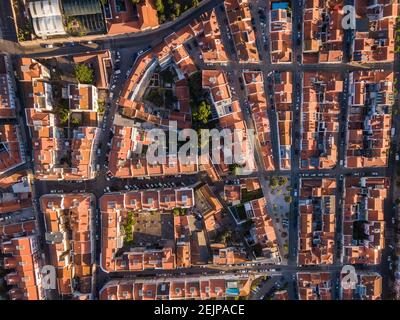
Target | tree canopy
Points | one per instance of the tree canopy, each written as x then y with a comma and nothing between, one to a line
203,112
84,74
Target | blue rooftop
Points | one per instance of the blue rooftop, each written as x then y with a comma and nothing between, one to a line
280,5
232,291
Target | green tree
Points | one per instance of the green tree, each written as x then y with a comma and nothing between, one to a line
102,106
226,236
273,182
63,114
203,112
128,228
195,3
179,211
156,96
75,122
288,199
282,181
160,7
84,74
135,2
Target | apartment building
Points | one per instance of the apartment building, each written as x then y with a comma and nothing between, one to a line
70,237
369,119
317,211
363,219
136,230
320,120
7,92
192,288
314,285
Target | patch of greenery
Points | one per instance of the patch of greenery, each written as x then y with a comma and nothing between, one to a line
169,10
76,122
83,73
179,211
277,181
128,228
62,110
102,107
156,96
24,32
225,236
168,75
203,112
